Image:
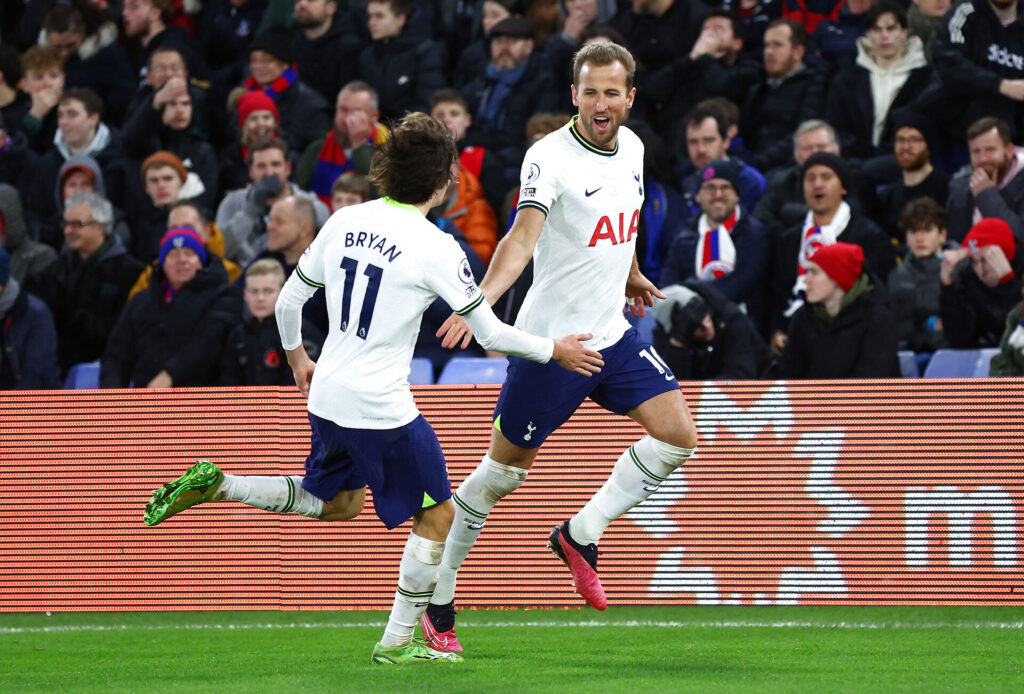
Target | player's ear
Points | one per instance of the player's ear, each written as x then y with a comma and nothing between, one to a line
575,96
630,96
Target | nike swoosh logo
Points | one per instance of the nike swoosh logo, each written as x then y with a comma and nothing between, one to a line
588,193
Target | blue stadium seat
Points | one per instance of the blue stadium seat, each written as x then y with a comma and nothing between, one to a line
908,364
421,372
474,370
960,363
84,375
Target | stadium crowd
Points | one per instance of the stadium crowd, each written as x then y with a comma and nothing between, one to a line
827,181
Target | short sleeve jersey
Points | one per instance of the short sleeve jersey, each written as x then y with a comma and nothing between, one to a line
382,264
592,198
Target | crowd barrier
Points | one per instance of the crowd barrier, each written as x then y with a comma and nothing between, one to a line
853,492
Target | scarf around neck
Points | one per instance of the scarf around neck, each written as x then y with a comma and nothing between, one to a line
278,86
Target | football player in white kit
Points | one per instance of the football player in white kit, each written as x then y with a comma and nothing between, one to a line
382,264
579,207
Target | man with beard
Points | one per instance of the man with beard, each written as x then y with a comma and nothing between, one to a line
920,179
979,55
324,51
992,188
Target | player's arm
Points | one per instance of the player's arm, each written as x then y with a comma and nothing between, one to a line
510,259
288,311
639,287
569,352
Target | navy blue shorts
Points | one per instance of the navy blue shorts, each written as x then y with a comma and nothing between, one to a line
537,398
403,467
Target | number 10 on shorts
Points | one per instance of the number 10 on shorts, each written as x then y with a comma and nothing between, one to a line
656,361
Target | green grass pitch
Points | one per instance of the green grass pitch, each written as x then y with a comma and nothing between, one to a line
714,650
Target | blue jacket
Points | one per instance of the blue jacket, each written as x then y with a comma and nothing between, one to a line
28,344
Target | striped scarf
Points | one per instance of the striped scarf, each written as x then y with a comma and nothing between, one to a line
811,238
331,162
278,86
716,254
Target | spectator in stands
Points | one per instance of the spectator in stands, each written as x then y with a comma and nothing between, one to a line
992,187
241,213
27,258
349,146
829,219
465,206
304,113
14,154
326,52
977,53
472,60
914,284
91,55
252,354
189,213
165,181
43,81
756,15
655,30
516,84
1010,359
291,227
713,67
811,13
923,18
783,206
726,248
80,131
258,119
979,285
891,71
173,333
706,141
790,93
146,25
225,31
351,188
28,340
577,16
920,179
845,330
702,336
449,107
87,287
14,103
834,41
172,128
404,70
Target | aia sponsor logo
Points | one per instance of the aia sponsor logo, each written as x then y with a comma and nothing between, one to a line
606,232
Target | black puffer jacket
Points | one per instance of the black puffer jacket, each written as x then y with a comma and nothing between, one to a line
973,314
86,298
405,72
185,337
859,342
772,113
253,355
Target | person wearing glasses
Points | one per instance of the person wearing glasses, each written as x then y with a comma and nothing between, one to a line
87,285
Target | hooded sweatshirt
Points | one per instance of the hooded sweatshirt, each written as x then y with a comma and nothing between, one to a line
28,257
120,227
887,82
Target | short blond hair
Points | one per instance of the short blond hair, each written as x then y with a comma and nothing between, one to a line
265,267
600,54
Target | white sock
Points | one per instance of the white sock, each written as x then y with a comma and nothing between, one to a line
417,575
474,499
279,494
638,473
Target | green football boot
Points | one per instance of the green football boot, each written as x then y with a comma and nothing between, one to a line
197,485
416,651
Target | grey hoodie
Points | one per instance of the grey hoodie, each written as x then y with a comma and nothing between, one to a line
28,257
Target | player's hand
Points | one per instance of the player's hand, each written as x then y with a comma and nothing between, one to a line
302,368
572,355
453,330
639,287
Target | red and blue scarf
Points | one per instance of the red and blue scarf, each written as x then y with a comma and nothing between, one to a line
716,254
331,163
278,86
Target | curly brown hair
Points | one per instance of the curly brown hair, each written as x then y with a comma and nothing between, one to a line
415,161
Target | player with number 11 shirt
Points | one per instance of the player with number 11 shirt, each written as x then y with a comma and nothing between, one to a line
381,264
581,193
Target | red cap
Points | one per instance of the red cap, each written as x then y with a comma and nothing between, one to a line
256,100
842,262
991,231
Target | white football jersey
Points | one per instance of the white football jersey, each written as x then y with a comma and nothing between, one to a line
592,198
383,264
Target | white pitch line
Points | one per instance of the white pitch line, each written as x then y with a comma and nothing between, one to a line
531,625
